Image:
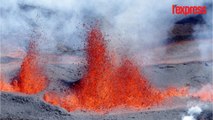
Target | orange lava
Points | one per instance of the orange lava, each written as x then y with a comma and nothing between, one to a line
31,78
106,85
6,87
205,93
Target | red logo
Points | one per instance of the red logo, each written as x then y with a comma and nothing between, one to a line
188,10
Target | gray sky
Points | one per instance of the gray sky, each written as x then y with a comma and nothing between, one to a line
133,24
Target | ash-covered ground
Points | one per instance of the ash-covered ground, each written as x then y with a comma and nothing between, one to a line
17,106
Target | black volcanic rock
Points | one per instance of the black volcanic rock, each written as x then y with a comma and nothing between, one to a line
206,115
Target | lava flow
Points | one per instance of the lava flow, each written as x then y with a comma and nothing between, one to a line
31,78
205,93
106,85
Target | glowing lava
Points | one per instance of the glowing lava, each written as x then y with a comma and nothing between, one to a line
205,93
106,85
31,78
4,86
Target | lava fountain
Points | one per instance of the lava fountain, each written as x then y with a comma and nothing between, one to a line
107,86
31,78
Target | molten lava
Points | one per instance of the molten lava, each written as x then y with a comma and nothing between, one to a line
106,85
205,93
4,86
31,78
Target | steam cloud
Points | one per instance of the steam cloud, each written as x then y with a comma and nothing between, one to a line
193,111
130,24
